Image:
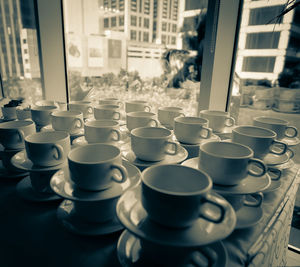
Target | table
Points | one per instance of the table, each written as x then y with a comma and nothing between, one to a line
31,235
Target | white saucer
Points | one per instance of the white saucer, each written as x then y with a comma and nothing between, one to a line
290,141
249,185
130,252
81,141
66,215
286,165
21,162
64,187
274,159
248,216
25,191
169,159
135,219
213,137
49,128
275,184
226,133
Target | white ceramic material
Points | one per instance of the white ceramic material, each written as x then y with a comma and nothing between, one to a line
41,115
135,218
260,140
174,196
110,101
23,113
279,126
48,148
136,105
228,163
9,113
191,130
166,115
291,141
68,121
83,106
96,166
102,131
107,112
152,143
239,201
140,119
273,159
218,120
249,185
13,133
248,216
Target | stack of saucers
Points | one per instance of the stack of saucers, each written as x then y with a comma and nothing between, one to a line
92,183
153,146
12,136
171,216
45,153
230,165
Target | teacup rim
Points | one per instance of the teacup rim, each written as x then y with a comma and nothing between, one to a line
284,122
131,114
274,135
91,122
23,123
221,112
150,137
64,136
66,113
178,119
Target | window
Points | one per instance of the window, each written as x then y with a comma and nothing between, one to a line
164,26
24,41
264,15
106,23
121,20
146,37
146,23
132,35
25,51
140,21
173,40
113,21
174,28
258,64
263,40
133,20
164,39
133,6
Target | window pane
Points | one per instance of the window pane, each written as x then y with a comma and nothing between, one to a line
19,57
263,15
262,40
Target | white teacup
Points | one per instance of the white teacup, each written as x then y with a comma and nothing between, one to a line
110,101
140,119
229,163
238,201
9,113
107,112
40,181
69,121
279,126
218,120
102,131
48,148
12,133
260,140
174,195
84,106
166,115
23,113
191,130
95,167
99,211
137,105
41,115
152,143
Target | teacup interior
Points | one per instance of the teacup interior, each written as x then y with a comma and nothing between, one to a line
151,132
271,120
214,112
140,114
176,109
41,108
191,120
69,113
14,124
101,123
46,137
176,179
254,131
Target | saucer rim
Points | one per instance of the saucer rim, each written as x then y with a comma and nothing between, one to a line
85,142
289,141
274,164
269,190
254,210
50,128
216,138
63,217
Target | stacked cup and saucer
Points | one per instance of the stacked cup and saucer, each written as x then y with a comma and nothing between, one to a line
44,154
12,135
191,132
220,122
231,167
173,219
166,116
91,185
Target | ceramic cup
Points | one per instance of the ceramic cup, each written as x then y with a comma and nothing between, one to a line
140,119
174,196
101,210
23,113
218,120
41,115
152,143
48,148
107,112
229,163
95,167
5,157
12,133
69,121
279,126
40,181
260,140
110,101
238,201
84,106
9,113
102,131
191,130
166,115
137,105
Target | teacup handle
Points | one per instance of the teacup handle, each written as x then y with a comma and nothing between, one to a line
59,151
282,145
78,123
207,132
290,153
229,122
220,203
294,131
195,258
123,172
174,145
147,108
276,172
153,120
118,135
259,163
90,110
258,200
21,136
118,115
